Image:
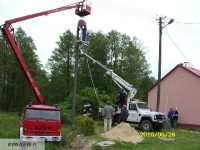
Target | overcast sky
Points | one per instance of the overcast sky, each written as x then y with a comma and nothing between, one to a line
180,41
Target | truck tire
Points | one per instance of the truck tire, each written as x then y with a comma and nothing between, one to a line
146,125
158,128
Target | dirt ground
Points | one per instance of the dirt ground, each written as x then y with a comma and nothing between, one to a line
122,132
79,142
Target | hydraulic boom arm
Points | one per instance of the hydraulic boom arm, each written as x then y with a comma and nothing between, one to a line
118,80
82,9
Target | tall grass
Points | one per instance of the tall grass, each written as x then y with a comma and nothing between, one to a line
9,123
9,129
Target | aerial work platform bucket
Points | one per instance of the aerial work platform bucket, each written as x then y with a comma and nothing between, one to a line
83,9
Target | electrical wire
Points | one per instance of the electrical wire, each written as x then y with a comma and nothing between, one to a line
145,15
128,11
182,53
187,28
186,23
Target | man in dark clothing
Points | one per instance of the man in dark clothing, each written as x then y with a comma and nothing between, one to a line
84,30
124,114
170,115
175,118
86,108
121,98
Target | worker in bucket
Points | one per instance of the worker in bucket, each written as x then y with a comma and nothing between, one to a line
84,32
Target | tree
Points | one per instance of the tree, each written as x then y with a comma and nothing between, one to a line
61,67
87,70
15,91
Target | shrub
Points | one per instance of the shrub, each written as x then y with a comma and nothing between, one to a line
85,124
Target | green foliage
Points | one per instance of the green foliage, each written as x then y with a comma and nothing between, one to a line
61,68
88,94
65,108
14,89
85,125
119,52
94,97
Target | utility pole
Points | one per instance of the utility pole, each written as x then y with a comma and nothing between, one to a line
75,79
159,59
159,63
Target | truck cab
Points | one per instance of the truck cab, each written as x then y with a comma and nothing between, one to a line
40,122
140,113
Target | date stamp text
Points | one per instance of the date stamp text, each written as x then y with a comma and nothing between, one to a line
158,134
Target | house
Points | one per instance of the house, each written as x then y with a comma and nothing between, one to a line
179,88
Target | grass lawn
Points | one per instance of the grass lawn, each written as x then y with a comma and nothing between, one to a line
184,139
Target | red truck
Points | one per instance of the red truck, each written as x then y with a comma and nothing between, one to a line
40,122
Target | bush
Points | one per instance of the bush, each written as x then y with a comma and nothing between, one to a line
85,124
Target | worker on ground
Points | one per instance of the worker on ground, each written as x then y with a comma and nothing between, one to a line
121,98
175,117
86,108
124,114
170,119
107,115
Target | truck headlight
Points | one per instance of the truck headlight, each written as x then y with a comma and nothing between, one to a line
55,138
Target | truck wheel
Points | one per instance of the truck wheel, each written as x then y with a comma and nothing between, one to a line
146,125
158,128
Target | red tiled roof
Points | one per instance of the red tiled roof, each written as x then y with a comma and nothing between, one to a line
192,70
195,71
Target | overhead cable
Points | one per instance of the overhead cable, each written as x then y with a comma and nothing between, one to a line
183,54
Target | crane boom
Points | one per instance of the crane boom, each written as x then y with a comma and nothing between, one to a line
82,9
117,79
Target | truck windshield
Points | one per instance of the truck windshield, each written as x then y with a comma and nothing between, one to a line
143,106
42,114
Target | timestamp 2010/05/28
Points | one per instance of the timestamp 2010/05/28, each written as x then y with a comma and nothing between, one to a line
158,134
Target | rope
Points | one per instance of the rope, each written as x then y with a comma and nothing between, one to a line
93,82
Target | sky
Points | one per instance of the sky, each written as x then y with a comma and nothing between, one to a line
180,40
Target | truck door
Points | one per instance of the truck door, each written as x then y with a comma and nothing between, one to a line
133,114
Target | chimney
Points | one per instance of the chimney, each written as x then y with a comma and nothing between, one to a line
185,64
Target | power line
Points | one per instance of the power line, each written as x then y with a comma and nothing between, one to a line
182,53
189,27
186,23
188,30
120,10
128,11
